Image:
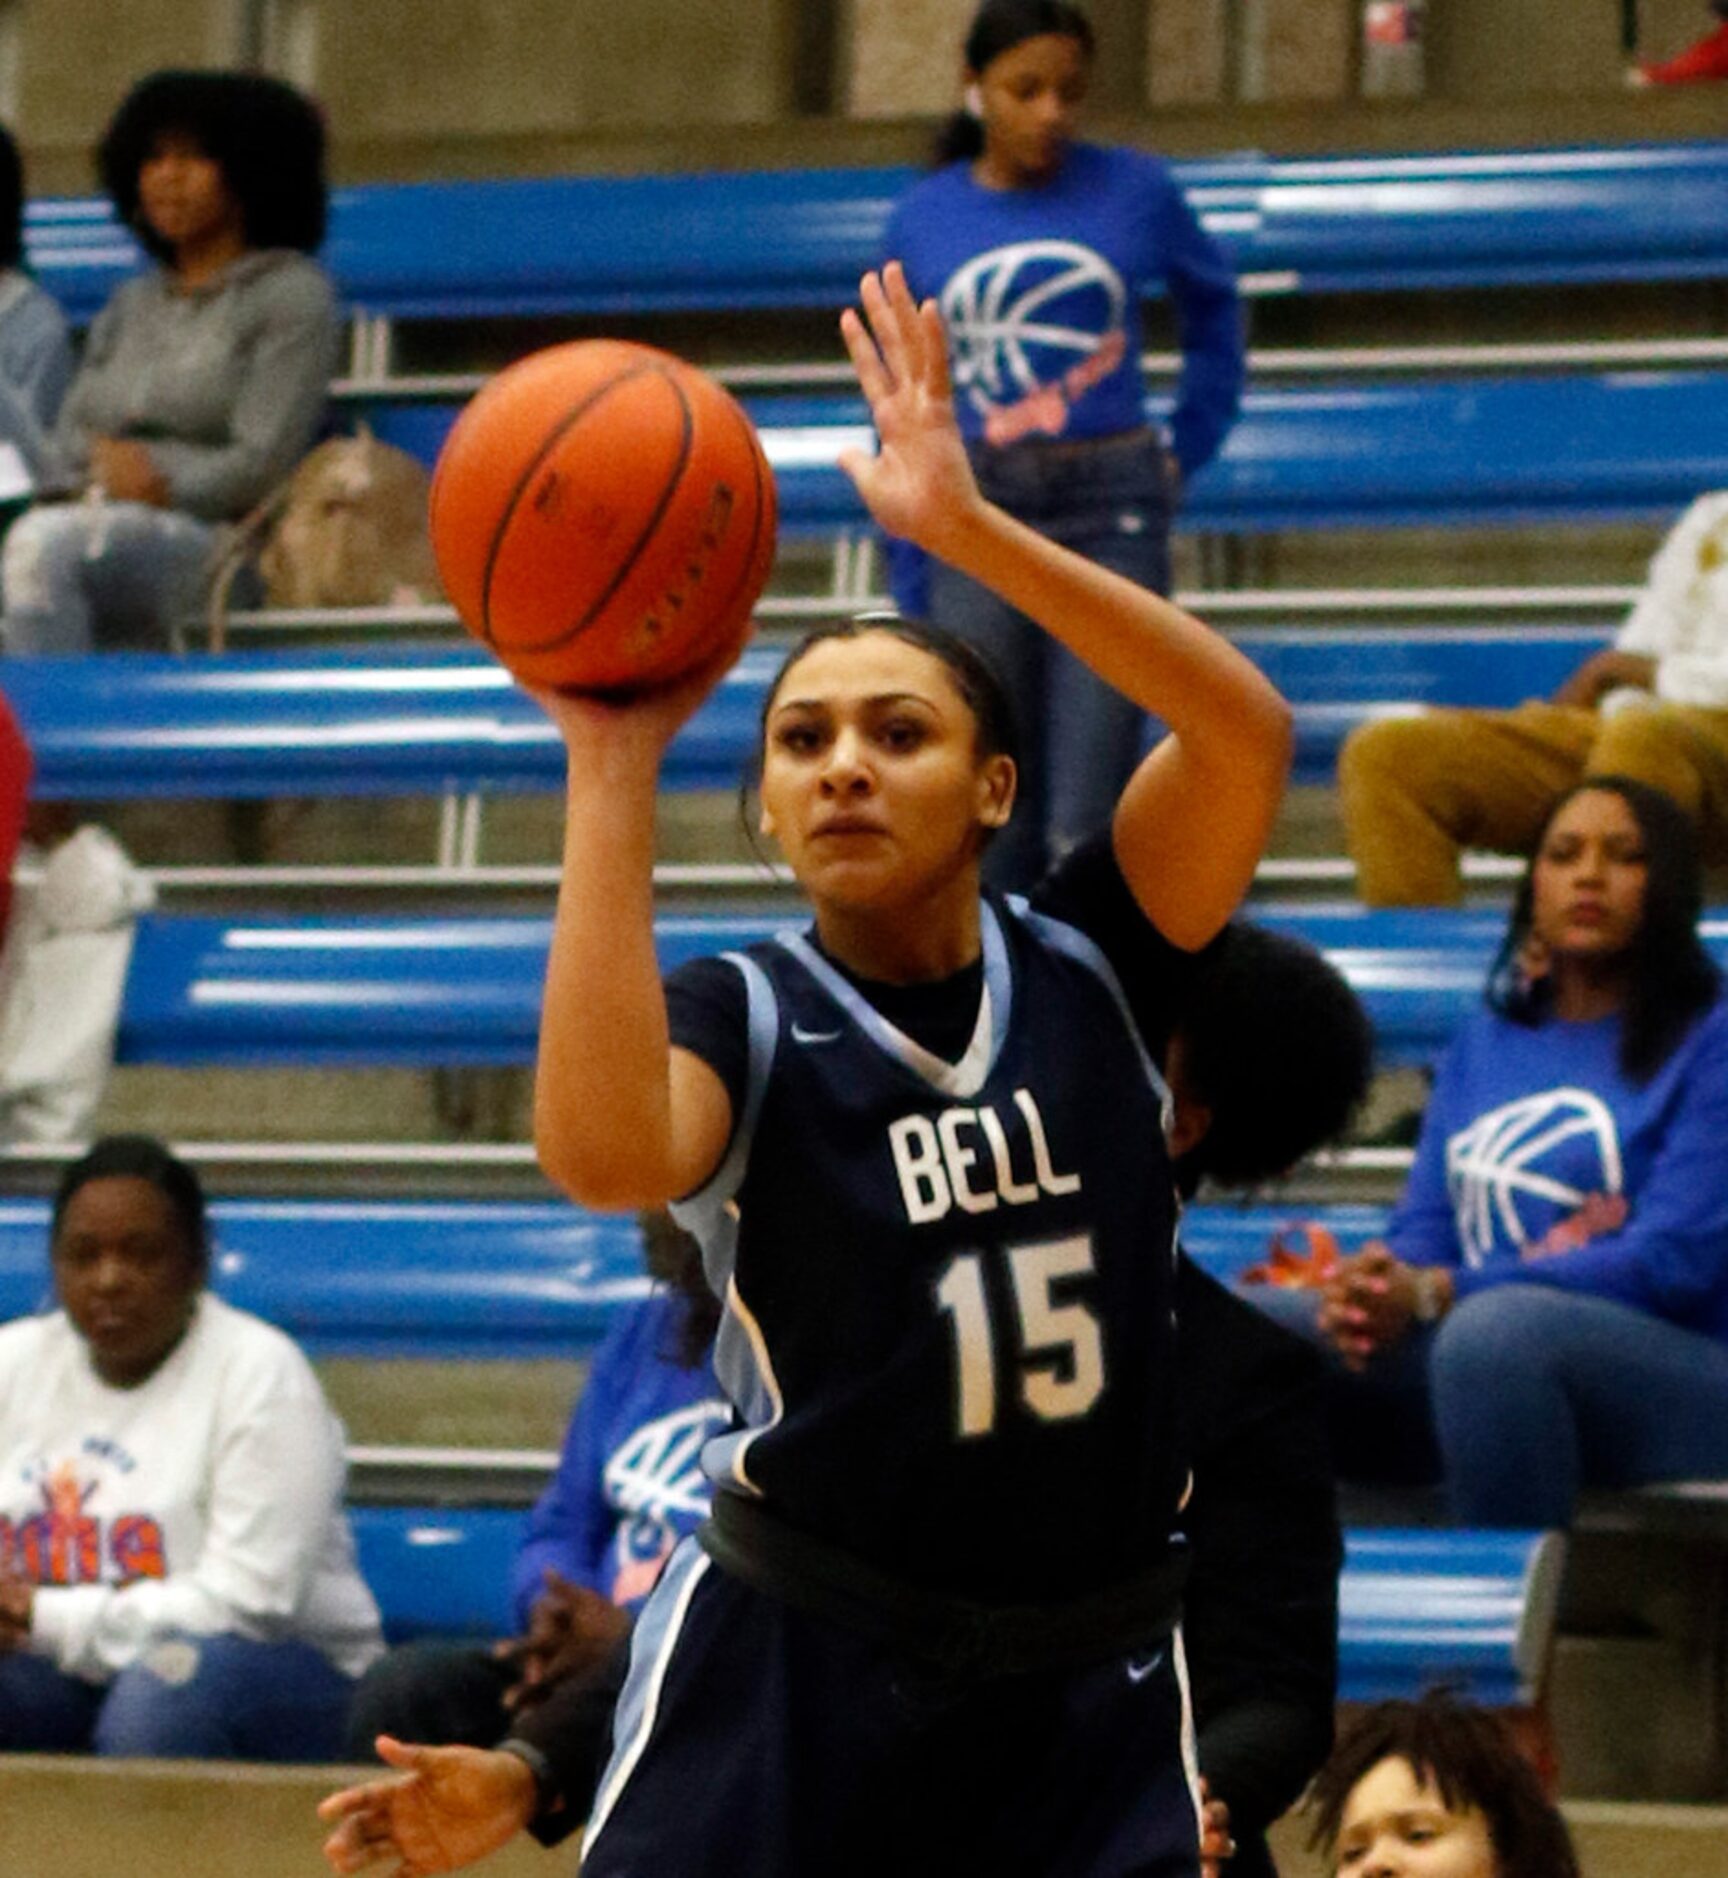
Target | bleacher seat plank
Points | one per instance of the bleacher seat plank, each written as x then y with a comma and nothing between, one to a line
435,992
436,1279
1583,446
381,720
788,238
405,1278
1472,1609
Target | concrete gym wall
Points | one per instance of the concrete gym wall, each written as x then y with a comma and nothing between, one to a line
901,58
511,67
76,58
497,87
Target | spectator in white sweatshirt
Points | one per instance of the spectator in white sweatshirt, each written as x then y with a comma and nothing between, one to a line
1653,706
176,1575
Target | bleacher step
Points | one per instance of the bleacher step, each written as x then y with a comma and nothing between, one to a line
77,1818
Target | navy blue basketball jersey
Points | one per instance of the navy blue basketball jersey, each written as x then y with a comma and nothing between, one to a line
948,1287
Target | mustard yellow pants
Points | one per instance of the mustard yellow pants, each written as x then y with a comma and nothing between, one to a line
1417,790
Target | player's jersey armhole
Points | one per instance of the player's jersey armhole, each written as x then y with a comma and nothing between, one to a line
699,1211
1070,941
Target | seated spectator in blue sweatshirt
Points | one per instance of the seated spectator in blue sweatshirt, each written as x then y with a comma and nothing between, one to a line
1549,1309
627,1489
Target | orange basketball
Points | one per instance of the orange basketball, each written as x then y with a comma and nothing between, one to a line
603,517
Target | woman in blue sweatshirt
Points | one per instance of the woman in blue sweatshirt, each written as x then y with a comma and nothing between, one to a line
1555,1279
1039,250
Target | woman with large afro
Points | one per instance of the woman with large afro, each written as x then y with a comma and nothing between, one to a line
204,378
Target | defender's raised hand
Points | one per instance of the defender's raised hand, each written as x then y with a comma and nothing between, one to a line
919,484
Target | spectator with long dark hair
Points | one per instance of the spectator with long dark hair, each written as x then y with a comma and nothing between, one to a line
1434,1789
35,347
1553,1288
1039,250
203,380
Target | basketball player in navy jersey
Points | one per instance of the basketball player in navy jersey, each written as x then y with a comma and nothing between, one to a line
1270,1055
931,1626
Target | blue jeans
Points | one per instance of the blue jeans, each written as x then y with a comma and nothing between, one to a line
81,577
1080,739
1533,1394
186,1698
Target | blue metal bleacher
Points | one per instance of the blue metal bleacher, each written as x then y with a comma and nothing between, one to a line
1473,1609
1417,1607
440,1572
437,992
431,719
595,245
376,1278
1507,451
477,1280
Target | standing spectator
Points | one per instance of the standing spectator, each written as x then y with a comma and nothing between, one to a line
203,380
1039,250
176,1576
35,348
1553,1288
1654,706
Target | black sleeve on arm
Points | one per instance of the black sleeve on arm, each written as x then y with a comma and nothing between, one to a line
1086,890
1261,1618
708,1012
568,1737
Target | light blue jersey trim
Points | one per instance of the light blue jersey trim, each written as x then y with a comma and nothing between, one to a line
963,1079
710,1215
1074,944
657,1632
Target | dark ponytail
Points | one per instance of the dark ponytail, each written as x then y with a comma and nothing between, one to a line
998,27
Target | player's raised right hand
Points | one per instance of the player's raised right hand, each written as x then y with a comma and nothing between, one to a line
919,483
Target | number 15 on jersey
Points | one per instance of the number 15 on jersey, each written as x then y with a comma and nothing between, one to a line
1060,1368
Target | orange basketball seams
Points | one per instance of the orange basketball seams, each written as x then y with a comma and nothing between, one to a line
603,517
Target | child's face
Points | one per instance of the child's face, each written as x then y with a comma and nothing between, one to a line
1397,1826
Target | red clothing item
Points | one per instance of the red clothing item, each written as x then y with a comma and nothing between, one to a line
15,768
1706,60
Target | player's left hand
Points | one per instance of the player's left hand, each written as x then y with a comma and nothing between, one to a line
919,484
451,1808
1216,1844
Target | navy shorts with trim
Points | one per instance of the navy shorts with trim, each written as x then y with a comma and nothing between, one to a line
755,1741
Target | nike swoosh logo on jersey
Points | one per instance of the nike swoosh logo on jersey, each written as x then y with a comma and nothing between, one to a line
1139,1671
801,1035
